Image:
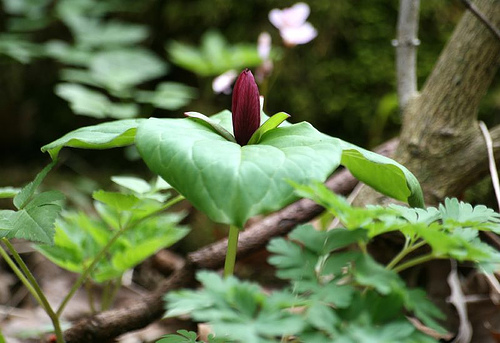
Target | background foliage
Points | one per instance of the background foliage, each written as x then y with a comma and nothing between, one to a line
343,82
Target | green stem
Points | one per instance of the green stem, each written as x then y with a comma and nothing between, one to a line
19,274
48,309
403,253
232,248
90,296
414,262
83,276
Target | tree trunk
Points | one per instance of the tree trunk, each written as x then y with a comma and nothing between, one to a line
441,142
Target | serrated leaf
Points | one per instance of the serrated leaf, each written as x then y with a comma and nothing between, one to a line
322,317
292,261
102,136
370,273
5,222
418,215
228,182
464,213
35,221
22,197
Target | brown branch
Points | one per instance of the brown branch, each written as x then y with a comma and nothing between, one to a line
473,8
110,324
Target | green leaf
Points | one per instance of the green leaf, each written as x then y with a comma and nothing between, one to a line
168,95
228,182
117,201
292,261
217,128
383,174
112,33
9,192
22,197
102,136
146,247
235,309
6,222
119,70
182,336
270,124
416,301
461,212
135,184
322,317
215,56
35,221
85,101
370,273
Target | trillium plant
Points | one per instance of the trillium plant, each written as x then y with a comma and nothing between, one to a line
232,178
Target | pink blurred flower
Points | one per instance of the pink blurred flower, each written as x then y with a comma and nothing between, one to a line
294,29
223,82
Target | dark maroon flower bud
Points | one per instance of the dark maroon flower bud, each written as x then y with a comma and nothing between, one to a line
245,107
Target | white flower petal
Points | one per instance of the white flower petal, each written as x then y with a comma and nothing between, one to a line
298,35
264,45
223,82
276,18
296,15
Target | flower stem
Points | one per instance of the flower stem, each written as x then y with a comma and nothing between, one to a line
232,247
38,291
414,262
403,253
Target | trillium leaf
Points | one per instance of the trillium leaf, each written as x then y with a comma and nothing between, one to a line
270,124
383,174
229,182
210,123
102,136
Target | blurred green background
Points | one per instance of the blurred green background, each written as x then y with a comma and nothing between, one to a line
61,59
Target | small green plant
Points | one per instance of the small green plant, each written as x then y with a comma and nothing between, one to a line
337,291
132,225
232,178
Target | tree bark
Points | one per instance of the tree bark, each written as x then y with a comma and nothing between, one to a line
440,141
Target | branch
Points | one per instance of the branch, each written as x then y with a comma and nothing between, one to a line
471,7
406,50
110,324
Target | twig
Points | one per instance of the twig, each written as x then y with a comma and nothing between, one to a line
457,298
406,50
473,8
491,161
